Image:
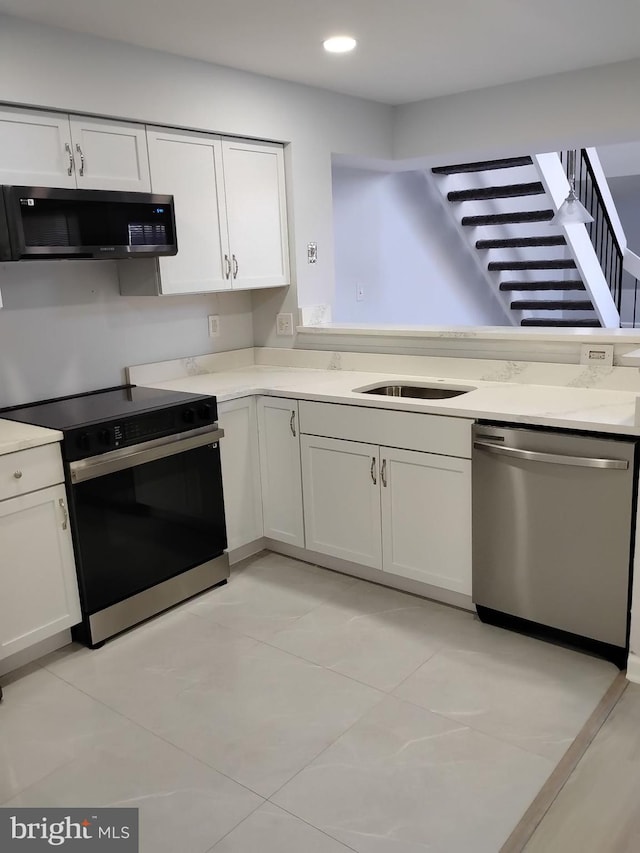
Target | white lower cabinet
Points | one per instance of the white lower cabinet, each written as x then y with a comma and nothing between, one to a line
426,517
38,587
403,511
280,472
240,471
342,499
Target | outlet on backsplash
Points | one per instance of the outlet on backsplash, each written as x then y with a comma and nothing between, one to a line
600,355
214,326
284,324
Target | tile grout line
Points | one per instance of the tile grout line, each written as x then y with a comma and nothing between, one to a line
323,750
528,823
155,735
233,828
296,618
473,728
170,743
307,823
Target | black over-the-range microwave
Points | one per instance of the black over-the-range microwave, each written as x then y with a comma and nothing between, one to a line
48,223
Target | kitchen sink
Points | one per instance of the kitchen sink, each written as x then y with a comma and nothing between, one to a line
421,392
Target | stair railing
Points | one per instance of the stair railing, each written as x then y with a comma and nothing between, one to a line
636,307
601,231
631,265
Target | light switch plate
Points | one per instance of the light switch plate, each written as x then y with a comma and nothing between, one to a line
600,355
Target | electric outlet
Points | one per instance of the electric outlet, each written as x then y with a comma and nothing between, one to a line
214,326
597,354
284,324
359,293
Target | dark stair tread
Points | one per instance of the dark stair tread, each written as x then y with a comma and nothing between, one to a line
559,264
521,242
552,305
506,191
482,166
538,321
508,218
542,285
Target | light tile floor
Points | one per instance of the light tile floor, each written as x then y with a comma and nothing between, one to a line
297,710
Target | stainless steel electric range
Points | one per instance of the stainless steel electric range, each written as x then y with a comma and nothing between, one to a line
144,482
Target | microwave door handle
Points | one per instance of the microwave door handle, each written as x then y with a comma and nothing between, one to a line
552,458
148,451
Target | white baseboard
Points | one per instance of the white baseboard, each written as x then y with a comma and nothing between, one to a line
39,650
248,550
456,599
633,668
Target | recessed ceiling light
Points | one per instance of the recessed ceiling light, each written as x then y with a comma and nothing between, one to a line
339,44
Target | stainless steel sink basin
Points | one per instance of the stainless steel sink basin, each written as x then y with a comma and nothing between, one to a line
421,392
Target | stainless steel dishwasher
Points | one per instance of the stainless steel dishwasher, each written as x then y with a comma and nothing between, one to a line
552,522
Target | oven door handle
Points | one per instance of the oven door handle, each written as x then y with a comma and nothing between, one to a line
148,451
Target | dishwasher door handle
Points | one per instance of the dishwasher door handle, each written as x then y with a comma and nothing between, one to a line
552,458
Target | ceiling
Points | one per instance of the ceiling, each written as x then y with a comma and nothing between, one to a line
408,49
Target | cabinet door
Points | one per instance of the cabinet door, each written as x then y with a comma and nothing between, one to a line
426,517
189,166
38,587
342,499
241,471
280,470
35,149
110,155
256,213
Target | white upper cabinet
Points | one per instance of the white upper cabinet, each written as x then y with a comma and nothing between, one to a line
35,149
256,213
189,167
110,155
56,150
231,215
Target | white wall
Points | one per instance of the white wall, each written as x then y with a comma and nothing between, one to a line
65,328
56,69
393,238
588,107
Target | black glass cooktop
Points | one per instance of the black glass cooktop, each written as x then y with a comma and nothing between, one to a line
97,407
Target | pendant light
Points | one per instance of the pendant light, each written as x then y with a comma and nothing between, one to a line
571,211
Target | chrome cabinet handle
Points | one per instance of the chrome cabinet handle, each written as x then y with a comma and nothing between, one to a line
235,266
65,514
292,423
67,148
373,471
79,150
383,473
228,266
17,475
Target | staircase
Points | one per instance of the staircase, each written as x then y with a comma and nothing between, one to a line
503,210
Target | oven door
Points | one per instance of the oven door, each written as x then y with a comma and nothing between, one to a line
146,514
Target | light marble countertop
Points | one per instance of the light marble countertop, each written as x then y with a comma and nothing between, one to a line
590,409
16,436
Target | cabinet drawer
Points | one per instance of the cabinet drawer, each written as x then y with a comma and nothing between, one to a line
409,430
28,470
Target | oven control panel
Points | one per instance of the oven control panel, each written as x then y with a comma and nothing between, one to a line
93,440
